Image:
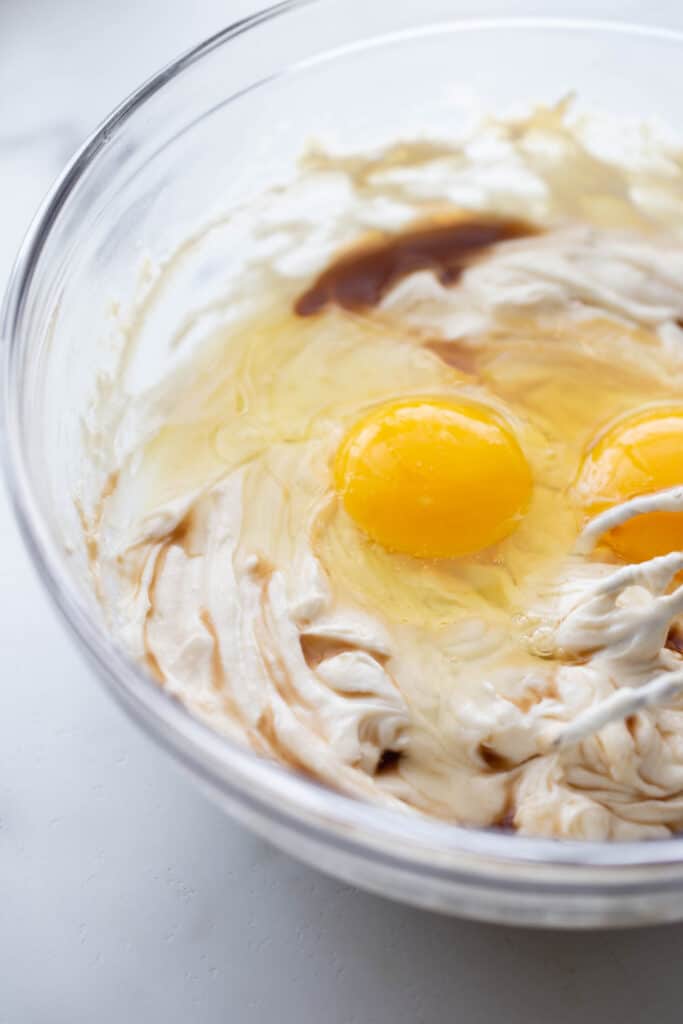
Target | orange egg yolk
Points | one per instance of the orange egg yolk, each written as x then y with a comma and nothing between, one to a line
432,477
638,455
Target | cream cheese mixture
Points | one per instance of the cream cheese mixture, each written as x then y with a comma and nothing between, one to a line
403,507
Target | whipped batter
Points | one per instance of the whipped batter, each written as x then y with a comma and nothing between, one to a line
534,686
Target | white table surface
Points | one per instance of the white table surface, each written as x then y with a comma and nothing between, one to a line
124,895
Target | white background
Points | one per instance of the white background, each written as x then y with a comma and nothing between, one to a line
124,895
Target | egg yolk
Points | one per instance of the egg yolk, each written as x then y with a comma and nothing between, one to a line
638,455
432,477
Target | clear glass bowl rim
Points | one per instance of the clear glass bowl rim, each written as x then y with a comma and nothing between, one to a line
269,790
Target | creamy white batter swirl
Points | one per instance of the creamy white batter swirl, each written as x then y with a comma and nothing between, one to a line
233,586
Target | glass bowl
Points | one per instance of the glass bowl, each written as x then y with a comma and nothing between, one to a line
221,123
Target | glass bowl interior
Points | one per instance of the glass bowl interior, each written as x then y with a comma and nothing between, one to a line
206,134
